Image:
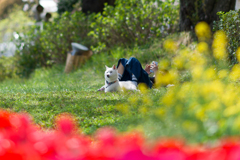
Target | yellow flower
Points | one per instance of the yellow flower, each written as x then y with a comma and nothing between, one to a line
143,109
230,95
228,98
165,78
202,47
210,74
185,52
235,73
231,110
238,54
179,62
197,72
222,73
170,45
143,87
123,108
205,90
160,112
219,45
197,59
200,114
203,31
169,98
213,88
213,105
217,87
164,64
185,89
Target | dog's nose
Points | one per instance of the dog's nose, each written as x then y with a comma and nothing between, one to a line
108,76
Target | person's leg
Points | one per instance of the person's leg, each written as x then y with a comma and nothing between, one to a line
134,80
123,74
134,67
121,71
120,68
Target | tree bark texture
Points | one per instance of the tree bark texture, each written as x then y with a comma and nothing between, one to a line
194,11
90,6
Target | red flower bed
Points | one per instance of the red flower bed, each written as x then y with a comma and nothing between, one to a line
22,140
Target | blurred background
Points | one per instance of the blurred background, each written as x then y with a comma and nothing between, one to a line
16,14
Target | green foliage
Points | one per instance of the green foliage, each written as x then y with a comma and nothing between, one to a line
126,24
130,22
57,36
66,5
229,22
8,68
43,48
30,53
15,22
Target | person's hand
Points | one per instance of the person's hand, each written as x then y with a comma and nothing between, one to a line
147,68
154,68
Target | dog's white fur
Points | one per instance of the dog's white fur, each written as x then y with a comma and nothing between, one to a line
111,75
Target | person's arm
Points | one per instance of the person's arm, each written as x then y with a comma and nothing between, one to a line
154,68
147,68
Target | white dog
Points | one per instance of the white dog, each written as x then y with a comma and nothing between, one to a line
112,83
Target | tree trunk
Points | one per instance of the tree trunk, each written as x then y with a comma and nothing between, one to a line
192,12
90,6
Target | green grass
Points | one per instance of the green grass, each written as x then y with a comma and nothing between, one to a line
50,92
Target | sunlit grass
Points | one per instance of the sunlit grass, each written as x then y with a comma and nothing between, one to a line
201,105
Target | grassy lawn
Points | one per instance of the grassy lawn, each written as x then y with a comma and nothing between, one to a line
51,92
196,108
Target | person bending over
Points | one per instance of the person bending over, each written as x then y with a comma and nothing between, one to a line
131,69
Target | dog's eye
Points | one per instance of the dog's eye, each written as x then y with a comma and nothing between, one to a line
110,71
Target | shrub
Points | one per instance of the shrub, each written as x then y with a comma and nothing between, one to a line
229,22
30,53
43,48
8,68
15,22
130,22
66,5
57,36
134,21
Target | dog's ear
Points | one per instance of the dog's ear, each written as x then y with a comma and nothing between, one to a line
106,67
114,67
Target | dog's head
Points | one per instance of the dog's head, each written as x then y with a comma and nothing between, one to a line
111,74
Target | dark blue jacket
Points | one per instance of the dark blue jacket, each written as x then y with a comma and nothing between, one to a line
133,66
